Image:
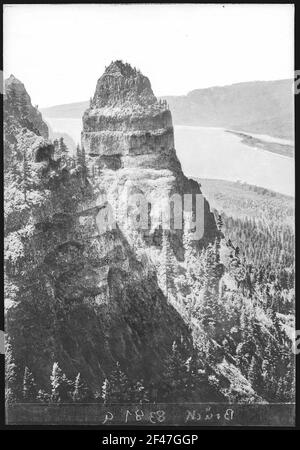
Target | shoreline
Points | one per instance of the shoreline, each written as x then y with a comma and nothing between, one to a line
285,150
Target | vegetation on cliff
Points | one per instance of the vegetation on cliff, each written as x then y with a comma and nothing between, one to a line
122,316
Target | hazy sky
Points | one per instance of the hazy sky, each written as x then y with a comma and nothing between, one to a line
59,51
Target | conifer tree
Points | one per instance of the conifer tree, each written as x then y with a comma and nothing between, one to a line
220,223
43,396
116,388
81,162
13,101
61,386
138,393
83,159
29,386
213,271
194,268
175,377
210,264
11,382
26,182
167,266
106,392
194,378
276,325
78,156
14,167
244,325
23,107
80,389
62,150
217,249
255,374
56,147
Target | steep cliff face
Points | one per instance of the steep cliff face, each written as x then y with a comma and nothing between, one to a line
86,296
129,142
19,107
75,295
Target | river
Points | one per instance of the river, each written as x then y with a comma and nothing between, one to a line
207,152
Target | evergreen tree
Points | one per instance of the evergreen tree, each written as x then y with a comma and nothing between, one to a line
139,393
276,325
106,392
217,250
238,272
255,374
220,223
213,270
11,382
26,182
192,258
80,389
194,269
43,396
83,159
81,162
244,325
56,146
23,107
195,377
14,167
167,266
175,377
63,151
116,388
78,156
13,100
29,386
61,386
210,274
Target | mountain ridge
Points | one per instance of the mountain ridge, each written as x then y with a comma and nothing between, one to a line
242,110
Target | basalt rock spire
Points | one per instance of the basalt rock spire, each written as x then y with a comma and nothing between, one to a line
125,122
128,138
74,296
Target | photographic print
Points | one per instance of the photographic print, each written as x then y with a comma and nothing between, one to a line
149,214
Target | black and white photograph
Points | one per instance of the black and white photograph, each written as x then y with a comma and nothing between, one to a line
149,215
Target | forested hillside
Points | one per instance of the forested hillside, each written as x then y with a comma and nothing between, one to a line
264,107
132,315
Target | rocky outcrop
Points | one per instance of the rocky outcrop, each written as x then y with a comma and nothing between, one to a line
18,99
87,297
73,295
129,143
126,120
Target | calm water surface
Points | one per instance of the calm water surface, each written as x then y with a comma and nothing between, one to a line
213,153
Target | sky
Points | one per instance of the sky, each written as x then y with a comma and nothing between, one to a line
60,51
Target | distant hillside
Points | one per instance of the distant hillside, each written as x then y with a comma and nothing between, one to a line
258,107
241,200
70,110
264,107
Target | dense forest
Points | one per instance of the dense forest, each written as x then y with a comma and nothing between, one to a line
240,309
235,295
